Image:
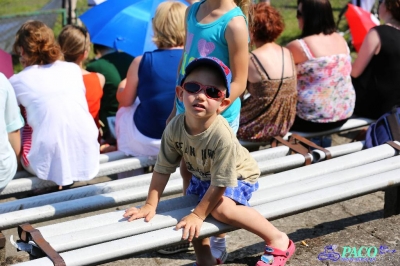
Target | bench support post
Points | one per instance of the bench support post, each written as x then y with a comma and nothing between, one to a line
392,202
2,248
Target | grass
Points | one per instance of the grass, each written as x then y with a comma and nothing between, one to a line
286,7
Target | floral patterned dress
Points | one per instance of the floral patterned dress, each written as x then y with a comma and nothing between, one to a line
324,87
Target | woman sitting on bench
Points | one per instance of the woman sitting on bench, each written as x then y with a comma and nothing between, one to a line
59,139
325,93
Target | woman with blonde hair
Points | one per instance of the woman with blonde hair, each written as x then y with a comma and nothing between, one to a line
149,88
59,139
75,45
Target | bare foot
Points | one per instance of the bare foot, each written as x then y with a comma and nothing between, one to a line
107,148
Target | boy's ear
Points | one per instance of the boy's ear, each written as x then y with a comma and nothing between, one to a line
179,93
224,104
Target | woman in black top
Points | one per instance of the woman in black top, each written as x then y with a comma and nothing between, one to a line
376,71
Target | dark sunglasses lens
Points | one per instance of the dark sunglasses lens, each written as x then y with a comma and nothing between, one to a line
213,92
191,87
299,14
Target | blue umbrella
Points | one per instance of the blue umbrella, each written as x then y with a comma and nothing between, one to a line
123,24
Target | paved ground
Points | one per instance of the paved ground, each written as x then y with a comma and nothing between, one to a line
349,225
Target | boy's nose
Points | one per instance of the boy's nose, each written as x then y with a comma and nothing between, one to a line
201,95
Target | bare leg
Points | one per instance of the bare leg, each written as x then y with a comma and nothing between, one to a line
203,252
186,176
249,219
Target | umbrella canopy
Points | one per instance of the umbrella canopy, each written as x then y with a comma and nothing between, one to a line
123,24
6,66
360,22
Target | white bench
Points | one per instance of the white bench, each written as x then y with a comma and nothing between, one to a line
109,236
112,163
134,189
351,124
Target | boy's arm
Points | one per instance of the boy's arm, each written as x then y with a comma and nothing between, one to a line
157,186
192,222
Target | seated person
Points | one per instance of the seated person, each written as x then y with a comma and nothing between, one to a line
325,93
75,46
59,139
271,107
224,175
10,138
113,65
376,71
146,97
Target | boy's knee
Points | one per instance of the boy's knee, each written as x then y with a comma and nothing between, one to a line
220,212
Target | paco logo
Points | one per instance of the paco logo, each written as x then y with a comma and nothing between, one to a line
353,254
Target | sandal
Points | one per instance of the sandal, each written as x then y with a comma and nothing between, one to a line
219,262
276,257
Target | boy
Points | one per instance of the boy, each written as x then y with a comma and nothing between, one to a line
224,173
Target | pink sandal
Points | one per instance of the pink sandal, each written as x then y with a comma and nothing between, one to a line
276,257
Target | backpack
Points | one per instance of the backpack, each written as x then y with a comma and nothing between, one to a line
386,128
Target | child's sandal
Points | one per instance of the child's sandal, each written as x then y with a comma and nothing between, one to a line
276,257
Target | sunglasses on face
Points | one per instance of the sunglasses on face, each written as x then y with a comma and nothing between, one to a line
211,92
380,1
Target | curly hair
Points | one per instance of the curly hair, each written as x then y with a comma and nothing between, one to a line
74,41
38,43
393,6
266,23
169,24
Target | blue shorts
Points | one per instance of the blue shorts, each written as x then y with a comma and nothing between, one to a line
240,194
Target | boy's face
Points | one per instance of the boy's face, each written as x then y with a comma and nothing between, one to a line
199,105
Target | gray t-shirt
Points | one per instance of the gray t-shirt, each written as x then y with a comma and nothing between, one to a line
214,154
11,121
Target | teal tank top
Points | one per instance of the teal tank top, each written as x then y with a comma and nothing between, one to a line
208,40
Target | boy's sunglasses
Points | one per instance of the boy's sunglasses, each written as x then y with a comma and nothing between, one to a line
380,1
211,92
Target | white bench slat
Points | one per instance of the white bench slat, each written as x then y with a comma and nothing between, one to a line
283,207
105,157
76,234
30,183
112,156
351,123
101,188
8,220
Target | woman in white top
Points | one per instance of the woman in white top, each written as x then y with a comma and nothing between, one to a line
59,140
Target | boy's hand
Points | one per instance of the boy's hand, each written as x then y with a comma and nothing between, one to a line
147,212
192,225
